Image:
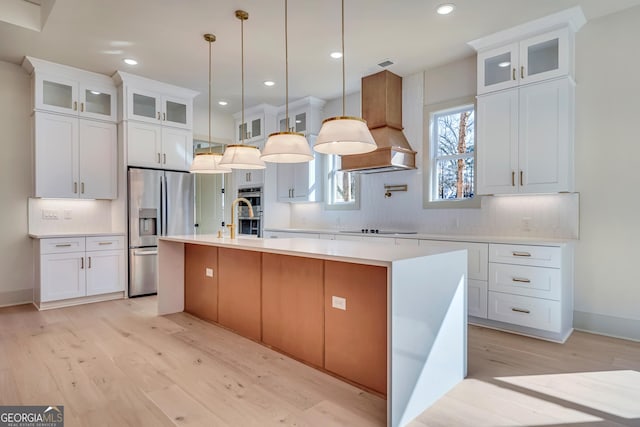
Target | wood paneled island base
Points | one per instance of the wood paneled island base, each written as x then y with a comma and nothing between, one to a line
389,319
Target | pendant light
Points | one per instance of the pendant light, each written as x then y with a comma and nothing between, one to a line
287,146
344,135
208,162
241,156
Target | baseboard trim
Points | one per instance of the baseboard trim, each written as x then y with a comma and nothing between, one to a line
17,297
78,301
610,326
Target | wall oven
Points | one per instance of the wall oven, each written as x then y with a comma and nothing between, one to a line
247,225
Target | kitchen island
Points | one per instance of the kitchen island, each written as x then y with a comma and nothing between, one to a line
389,319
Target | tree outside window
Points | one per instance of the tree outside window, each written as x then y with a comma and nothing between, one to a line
453,154
343,186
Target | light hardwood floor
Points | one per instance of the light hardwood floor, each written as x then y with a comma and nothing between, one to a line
117,363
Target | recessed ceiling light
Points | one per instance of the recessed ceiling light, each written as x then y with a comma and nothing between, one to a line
445,9
336,55
95,92
269,83
130,61
504,64
223,103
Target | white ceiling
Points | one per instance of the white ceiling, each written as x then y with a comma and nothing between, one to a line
165,36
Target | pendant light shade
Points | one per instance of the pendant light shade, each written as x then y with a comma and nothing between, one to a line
208,162
344,135
240,156
287,147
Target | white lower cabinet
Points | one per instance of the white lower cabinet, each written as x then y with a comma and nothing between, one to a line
477,298
531,289
70,269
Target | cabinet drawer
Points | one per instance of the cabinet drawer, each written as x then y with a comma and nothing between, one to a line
105,243
61,245
541,256
524,280
477,256
525,311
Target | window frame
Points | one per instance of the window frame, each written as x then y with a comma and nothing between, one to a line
331,168
430,150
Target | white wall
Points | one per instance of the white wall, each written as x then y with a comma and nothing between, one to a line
607,294
222,124
16,265
73,216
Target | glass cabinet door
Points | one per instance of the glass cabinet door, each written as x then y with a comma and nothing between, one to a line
144,107
176,112
256,128
98,102
300,121
544,56
56,94
497,68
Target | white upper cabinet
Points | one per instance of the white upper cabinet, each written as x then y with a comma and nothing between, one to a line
75,158
157,121
259,122
66,90
154,107
537,58
525,121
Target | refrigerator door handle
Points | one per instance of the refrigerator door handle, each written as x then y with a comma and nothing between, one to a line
165,207
162,213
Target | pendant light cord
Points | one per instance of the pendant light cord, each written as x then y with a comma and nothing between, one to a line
343,73
242,77
210,41
286,65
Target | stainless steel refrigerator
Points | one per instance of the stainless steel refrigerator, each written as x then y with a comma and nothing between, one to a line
161,203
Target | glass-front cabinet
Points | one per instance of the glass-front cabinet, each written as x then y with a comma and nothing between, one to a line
153,107
67,96
251,130
531,60
297,122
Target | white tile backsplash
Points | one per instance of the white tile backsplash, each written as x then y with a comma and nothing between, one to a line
82,216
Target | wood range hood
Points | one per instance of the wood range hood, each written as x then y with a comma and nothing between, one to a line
382,109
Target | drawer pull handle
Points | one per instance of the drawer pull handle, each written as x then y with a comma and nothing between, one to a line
520,310
105,243
65,245
524,254
520,280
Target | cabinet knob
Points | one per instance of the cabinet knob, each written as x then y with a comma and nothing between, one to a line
81,263
164,158
82,188
75,187
158,157
521,178
513,74
522,72
82,107
75,105
513,178
164,117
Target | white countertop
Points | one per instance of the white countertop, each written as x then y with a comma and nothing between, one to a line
63,235
374,253
540,241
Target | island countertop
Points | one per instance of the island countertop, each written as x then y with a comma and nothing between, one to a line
370,253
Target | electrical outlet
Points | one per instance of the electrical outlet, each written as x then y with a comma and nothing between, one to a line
208,272
67,214
339,302
526,223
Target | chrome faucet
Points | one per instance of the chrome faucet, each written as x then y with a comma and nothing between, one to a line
232,226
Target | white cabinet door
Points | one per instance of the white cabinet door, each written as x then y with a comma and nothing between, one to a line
177,148
97,101
62,276
98,160
477,298
105,272
544,56
56,94
497,144
252,129
144,144
286,181
544,147
248,177
144,106
498,69
177,112
56,156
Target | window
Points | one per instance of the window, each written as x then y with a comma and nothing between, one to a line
451,155
342,188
